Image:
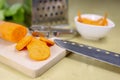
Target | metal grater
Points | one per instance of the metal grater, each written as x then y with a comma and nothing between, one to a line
50,17
49,12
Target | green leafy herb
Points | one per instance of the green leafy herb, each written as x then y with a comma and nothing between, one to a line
2,2
19,16
2,17
16,12
13,9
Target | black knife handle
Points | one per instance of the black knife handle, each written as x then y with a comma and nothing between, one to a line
93,52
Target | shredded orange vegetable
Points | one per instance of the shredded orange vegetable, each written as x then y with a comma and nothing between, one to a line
100,22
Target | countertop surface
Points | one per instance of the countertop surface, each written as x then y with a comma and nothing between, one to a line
73,66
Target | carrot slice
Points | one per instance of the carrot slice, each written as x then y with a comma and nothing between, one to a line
38,50
37,34
49,42
23,42
12,32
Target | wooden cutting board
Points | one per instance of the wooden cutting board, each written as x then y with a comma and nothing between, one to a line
20,61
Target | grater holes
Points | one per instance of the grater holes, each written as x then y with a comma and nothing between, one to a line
43,8
51,14
38,9
46,15
41,16
51,11
40,1
56,13
61,13
48,7
58,6
45,1
53,7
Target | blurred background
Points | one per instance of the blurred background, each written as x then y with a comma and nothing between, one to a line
19,11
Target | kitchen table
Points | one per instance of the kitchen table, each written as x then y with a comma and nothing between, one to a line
76,67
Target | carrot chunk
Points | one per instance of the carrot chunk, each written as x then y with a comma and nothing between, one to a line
11,31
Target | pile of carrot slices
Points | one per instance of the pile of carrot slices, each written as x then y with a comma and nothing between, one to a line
38,48
100,22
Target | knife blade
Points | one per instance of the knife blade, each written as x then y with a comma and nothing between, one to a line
89,51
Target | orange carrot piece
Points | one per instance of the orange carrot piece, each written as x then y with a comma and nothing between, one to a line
104,22
49,42
79,17
86,21
23,42
38,50
39,42
37,34
11,31
99,22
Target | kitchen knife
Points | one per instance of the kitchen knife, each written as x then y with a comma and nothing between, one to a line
89,51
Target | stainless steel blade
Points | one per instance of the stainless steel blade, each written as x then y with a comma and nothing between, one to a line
89,51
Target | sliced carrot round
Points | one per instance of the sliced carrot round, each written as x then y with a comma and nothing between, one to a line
23,42
38,50
49,42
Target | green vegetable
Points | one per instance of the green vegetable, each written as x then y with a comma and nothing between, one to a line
13,9
27,5
19,16
2,17
2,2
16,12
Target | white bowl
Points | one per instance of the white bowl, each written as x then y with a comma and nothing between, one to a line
93,32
